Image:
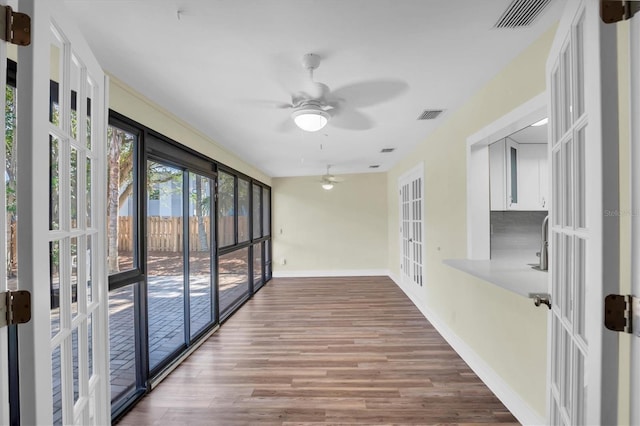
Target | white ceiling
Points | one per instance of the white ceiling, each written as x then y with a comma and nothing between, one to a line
217,63
531,134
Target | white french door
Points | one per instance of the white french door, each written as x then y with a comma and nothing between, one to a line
4,278
634,42
63,350
411,190
583,240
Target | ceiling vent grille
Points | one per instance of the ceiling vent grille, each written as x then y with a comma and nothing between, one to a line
521,13
386,150
430,114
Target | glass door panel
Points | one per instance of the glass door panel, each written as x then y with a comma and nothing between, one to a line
257,209
257,266
200,239
233,278
243,210
165,262
122,340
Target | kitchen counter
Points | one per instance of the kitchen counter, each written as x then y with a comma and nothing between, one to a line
511,270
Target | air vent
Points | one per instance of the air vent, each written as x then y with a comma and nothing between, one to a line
386,150
521,13
374,166
430,114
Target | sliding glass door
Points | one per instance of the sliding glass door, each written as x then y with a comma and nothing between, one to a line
188,243
165,262
180,296
201,260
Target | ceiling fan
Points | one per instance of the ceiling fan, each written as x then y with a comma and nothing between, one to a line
315,104
328,180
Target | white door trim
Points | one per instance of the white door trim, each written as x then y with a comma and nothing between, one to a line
634,56
478,195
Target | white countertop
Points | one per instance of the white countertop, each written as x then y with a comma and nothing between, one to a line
510,270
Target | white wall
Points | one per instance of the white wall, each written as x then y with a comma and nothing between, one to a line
338,232
504,330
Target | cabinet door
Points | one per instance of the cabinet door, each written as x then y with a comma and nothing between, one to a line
512,155
497,176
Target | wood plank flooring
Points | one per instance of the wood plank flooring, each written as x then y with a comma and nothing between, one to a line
320,351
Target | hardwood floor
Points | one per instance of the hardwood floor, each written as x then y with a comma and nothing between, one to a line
323,351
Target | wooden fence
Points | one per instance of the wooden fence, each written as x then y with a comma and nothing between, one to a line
166,233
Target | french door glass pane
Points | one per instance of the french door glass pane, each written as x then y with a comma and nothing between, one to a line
122,341
75,79
266,211
54,285
226,208
165,262
257,209
200,290
54,187
56,379
121,200
11,178
55,76
233,279
243,210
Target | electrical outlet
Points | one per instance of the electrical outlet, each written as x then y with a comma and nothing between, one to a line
284,261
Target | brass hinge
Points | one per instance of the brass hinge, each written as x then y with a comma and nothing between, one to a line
622,313
612,11
15,307
15,27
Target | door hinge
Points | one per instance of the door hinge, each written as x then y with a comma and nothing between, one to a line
15,27
622,313
612,11
15,307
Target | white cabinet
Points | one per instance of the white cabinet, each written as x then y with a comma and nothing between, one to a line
518,176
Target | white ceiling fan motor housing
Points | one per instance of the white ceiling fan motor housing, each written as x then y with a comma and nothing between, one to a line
310,61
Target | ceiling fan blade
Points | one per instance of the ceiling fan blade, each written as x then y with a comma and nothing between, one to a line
286,126
350,119
263,103
368,93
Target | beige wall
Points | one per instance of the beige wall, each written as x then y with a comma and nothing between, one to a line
131,104
344,229
503,328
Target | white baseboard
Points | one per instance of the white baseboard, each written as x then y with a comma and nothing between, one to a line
520,409
332,273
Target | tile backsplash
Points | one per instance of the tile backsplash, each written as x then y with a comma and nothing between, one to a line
516,230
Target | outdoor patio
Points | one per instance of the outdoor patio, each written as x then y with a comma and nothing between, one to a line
165,294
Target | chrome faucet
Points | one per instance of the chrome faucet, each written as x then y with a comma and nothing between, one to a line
544,249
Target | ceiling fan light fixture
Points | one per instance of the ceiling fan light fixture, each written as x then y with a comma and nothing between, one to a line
327,186
310,118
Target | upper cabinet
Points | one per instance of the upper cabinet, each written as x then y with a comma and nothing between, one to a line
518,175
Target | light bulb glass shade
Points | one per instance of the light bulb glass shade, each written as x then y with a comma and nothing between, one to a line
327,186
310,119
